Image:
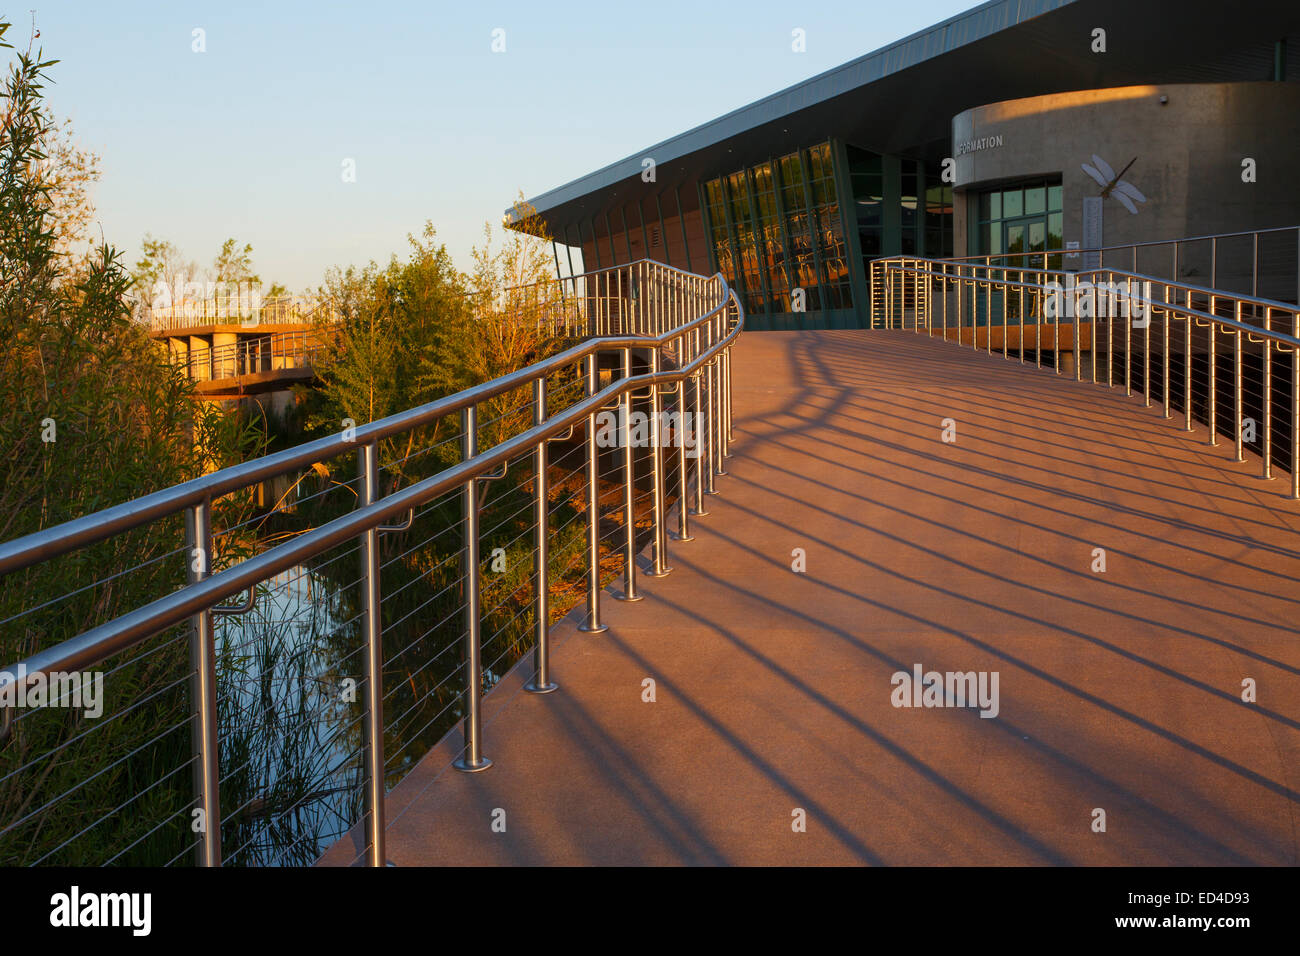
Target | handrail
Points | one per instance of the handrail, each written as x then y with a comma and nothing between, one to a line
1127,245
692,325
52,542
112,637
1254,301
1023,297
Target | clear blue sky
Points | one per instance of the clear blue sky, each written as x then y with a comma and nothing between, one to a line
247,139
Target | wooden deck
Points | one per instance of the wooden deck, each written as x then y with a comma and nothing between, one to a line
1118,691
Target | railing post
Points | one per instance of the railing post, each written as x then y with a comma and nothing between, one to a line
1295,401
1213,377
629,486
660,549
1038,328
1092,328
710,418
1146,346
1267,473
373,661
1128,336
541,682
943,291
1187,367
1110,333
206,768
702,436
471,759
686,425
1165,353
592,625
727,436
1237,404
719,466
988,309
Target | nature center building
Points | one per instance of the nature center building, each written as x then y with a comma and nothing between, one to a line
998,130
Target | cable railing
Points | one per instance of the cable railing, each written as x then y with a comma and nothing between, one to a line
1229,361
615,300
268,683
1263,263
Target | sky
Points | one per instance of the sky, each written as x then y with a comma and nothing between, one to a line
249,138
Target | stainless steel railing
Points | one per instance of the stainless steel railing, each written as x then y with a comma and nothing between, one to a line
616,300
273,352
1104,319
1263,263
680,328
243,307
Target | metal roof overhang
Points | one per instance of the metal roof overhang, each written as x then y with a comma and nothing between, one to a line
901,98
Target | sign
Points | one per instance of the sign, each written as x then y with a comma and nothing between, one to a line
975,145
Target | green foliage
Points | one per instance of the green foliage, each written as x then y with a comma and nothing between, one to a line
400,341
91,415
234,264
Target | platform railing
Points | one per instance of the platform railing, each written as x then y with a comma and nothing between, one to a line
1264,263
274,352
633,298
1231,361
670,355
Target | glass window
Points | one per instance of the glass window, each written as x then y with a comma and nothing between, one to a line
1032,209
1036,201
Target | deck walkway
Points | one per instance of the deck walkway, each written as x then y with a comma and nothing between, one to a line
1117,690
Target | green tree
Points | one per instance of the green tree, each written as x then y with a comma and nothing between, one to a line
91,415
398,341
234,264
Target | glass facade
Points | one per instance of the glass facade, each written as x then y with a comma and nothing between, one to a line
776,227
1022,218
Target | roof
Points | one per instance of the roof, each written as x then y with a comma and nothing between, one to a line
901,98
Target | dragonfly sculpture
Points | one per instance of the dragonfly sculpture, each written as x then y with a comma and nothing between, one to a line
1112,185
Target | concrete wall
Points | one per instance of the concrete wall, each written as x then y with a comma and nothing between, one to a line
1189,153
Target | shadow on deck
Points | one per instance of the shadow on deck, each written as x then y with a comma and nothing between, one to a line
1118,691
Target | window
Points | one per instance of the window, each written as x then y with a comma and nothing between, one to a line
1022,218
776,226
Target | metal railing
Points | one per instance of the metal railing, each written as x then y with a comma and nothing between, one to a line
1158,337
1264,263
241,308
671,357
615,300
275,352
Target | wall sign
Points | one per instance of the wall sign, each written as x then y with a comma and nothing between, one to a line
982,142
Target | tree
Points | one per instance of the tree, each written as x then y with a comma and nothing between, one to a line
233,264
162,273
69,171
515,296
398,341
91,414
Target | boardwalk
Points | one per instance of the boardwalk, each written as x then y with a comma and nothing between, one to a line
1118,690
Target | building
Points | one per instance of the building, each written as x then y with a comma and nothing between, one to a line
970,137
